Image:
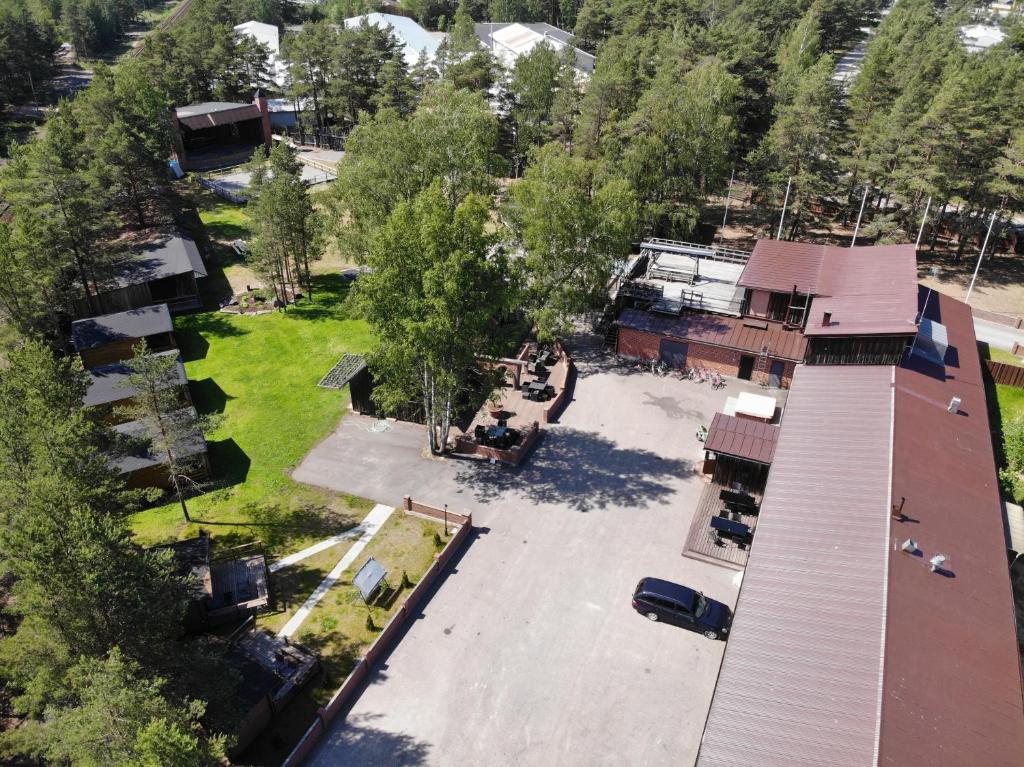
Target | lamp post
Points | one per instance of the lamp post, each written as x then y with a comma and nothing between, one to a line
446,520
924,218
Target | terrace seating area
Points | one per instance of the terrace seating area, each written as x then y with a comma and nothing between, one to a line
532,394
723,526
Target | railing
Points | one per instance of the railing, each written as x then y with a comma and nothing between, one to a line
692,299
711,252
222,191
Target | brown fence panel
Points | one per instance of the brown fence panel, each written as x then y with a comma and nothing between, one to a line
1010,375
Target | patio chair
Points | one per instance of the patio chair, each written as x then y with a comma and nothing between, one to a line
480,434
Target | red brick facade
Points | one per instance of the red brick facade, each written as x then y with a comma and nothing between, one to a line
636,343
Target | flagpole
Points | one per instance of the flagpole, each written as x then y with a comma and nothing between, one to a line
728,199
991,222
924,218
785,202
856,229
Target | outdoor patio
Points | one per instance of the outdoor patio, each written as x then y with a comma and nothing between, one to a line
704,544
532,394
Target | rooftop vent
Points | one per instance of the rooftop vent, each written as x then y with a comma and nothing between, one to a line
937,562
909,546
954,405
826,319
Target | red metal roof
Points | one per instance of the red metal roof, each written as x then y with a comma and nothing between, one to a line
829,593
778,265
952,685
731,332
867,291
801,678
742,437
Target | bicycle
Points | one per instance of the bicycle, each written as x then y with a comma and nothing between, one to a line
717,381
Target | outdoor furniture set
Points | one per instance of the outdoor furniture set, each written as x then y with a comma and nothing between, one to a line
728,525
499,435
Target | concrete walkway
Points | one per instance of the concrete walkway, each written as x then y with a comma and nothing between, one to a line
377,517
316,548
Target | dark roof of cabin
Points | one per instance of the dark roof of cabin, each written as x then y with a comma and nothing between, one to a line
122,326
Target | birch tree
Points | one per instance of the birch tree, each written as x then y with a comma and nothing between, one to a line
434,297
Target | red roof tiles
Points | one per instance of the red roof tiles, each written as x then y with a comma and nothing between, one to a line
846,650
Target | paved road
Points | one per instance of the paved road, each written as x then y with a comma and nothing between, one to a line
1000,336
529,652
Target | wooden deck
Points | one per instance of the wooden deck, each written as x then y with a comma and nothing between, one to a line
701,544
239,582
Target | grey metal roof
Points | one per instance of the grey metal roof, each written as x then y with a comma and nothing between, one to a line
585,62
213,113
166,256
206,108
109,383
143,458
800,684
122,326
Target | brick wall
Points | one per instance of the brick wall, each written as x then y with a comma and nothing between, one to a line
637,343
347,694
513,456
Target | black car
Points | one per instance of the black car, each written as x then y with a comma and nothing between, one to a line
660,600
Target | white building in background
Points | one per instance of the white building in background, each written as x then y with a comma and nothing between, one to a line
415,40
510,41
978,37
270,36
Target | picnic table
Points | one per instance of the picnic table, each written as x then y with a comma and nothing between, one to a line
729,528
739,500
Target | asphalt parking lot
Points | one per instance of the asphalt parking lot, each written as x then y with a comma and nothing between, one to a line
529,652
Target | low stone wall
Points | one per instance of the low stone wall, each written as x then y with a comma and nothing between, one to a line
432,512
348,693
513,456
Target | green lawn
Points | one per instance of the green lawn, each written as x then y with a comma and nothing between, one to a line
998,355
337,628
257,375
1011,402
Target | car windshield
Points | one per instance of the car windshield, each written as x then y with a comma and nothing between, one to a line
700,606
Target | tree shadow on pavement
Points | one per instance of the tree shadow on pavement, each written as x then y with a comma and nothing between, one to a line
358,742
581,470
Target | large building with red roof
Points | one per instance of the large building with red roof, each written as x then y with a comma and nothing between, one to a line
875,623
756,316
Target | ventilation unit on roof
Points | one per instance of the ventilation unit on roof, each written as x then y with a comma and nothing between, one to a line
954,405
909,546
937,562
931,342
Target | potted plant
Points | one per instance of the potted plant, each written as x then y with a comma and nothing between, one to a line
494,408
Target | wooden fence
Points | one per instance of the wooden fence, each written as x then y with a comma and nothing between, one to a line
1010,375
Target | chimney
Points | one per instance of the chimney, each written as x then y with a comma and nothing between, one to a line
826,319
260,99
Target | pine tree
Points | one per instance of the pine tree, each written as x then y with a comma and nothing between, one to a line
170,424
